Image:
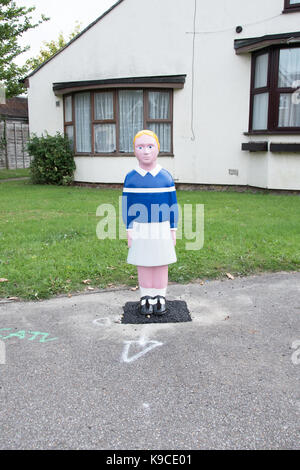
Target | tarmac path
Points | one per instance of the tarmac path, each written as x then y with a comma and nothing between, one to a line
73,377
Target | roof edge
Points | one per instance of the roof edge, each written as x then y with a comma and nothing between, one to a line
72,40
251,44
175,81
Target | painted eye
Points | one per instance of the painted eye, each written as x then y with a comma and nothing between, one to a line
140,148
150,146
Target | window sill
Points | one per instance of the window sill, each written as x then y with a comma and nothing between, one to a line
272,132
291,10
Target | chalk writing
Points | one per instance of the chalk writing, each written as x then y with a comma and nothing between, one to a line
23,334
102,321
296,355
142,342
44,338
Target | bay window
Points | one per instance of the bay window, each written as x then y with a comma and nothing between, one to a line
274,98
104,122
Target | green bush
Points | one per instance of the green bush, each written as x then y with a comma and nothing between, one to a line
53,160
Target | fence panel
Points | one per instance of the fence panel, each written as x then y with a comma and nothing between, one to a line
13,139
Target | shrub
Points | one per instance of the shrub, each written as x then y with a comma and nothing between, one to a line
53,160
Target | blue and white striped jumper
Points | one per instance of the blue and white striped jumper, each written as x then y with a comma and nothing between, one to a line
150,211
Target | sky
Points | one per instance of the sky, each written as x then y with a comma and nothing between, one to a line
63,16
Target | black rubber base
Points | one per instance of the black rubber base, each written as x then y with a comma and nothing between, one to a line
177,311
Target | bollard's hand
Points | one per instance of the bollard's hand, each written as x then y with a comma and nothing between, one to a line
129,238
173,233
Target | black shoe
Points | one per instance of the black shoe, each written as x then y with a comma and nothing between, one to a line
145,307
160,307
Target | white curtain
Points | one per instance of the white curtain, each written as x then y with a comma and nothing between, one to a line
159,104
289,67
105,138
131,115
131,119
163,132
105,134
289,76
104,106
83,122
159,108
289,111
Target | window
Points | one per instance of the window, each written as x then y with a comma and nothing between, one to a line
291,5
69,128
105,122
274,101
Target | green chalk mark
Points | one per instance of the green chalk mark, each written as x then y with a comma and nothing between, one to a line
37,333
2,329
19,334
22,335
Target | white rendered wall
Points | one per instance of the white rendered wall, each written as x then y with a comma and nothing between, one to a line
142,38
110,169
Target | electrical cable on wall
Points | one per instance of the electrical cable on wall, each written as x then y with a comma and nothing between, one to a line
232,28
193,72
194,32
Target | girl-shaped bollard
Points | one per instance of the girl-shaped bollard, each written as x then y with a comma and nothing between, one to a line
150,213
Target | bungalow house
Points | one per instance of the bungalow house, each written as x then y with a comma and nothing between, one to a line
217,81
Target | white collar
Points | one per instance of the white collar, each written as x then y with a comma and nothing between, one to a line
153,172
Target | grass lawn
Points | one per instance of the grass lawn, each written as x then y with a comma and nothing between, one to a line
18,173
48,241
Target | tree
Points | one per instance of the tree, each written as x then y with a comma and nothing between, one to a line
51,48
14,22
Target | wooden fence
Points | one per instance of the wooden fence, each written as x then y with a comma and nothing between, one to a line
13,139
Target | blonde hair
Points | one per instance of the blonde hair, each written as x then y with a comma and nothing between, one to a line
147,132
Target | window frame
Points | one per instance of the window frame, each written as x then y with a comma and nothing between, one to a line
290,8
70,123
146,119
103,121
273,90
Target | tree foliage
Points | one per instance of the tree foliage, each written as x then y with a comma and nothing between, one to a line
14,22
51,48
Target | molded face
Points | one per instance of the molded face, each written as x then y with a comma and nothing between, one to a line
146,151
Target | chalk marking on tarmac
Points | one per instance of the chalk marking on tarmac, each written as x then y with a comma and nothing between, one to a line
23,334
143,342
102,321
296,355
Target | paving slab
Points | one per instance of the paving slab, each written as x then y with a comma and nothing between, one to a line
72,376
